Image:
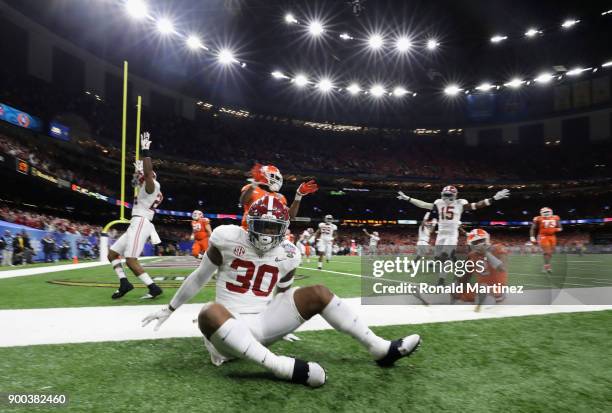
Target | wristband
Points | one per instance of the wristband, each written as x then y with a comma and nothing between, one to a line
488,201
298,196
145,153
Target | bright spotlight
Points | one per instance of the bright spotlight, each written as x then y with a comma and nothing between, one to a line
226,57
375,41
300,80
194,42
514,83
377,90
607,64
485,87
165,26
279,75
544,78
432,44
569,23
403,44
353,88
452,90
576,71
325,85
605,13
498,38
315,28
290,19
136,8
346,36
532,32
399,92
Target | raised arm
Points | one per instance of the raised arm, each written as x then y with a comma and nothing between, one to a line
147,165
414,201
305,188
503,194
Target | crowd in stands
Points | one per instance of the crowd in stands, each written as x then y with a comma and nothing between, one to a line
47,222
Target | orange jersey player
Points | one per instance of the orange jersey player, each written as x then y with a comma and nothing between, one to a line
201,232
492,270
267,180
289,236
546,225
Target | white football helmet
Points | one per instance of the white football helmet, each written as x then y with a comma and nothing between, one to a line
546,212
328,219
273,177
375,233
478,239
196,215
449,193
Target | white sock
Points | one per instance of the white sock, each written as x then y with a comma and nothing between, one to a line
320,264
118,268
144,277
235,338
342,318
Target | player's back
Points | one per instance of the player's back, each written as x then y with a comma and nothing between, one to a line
145,203
247,279
547,225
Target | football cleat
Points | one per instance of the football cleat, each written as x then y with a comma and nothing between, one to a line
308,373
124,287
402,347
154,291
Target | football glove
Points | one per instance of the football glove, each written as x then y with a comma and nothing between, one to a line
504,193
291,337
161,316
307,188
257,174
403,196
145,141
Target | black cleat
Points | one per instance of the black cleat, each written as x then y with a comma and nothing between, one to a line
124,287
154,291
400,348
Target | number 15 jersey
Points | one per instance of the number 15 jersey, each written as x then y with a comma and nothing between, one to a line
449,215
246,280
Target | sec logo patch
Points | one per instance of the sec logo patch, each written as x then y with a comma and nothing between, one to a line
239,251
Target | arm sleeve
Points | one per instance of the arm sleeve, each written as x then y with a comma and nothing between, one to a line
194,283
493,260
421,204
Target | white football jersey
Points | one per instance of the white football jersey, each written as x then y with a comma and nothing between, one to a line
374,240
246,280
145,204
327,231
449,215
305,237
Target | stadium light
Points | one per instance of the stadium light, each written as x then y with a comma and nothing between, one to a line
279,75
605,13
514,83
300,80
544,78
315,28
136,8
325,85
569,23
399,92
432,44
452,90
532,32
165,26
576,71
485,87
194,42
498,38
346,36
353,88
290,19
403,44
375,41
607,64
377,90
226,57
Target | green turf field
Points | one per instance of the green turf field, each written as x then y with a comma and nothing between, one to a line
341,276
552,363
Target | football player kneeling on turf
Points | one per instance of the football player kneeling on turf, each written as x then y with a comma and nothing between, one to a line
247,316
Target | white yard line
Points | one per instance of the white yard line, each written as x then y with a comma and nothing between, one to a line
97,324
22,272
